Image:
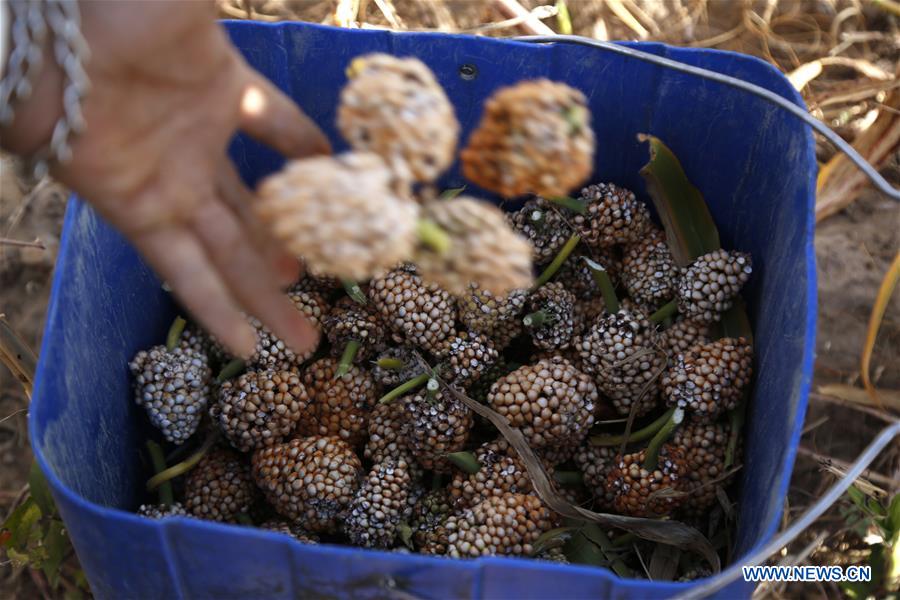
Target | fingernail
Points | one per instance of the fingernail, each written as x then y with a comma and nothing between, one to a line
288,269
246,338
304,336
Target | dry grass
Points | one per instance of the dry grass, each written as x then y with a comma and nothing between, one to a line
842,54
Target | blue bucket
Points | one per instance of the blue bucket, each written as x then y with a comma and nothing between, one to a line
753,162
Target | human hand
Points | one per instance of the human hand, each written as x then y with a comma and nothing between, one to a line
168,90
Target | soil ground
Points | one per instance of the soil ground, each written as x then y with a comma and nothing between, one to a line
853,248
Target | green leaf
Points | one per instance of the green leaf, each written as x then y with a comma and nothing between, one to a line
573,204
73,594
21,522
866,589
233,368
405,533
552,539
580,550
857,497
56,544
40,490
894,513
735,323
354,291
465,461
876,508
589,545
857,590
19,559
892,566
690,229
81,580
452,193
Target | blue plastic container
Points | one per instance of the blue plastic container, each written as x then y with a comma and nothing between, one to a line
754,163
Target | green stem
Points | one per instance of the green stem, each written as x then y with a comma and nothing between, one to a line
640,435
234,367
568,478
390,364
666,311
571,203
347,357
450,194
558,261
651,460
736,420
353,290
465,461
433,236
184,466
605,284
405,387
174,333
166,495
536,319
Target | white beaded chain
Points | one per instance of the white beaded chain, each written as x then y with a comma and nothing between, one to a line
26,55
32,22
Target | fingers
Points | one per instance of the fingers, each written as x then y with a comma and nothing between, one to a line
249,277
273,119
180,260
232,190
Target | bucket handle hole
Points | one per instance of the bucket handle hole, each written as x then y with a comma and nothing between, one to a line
468,71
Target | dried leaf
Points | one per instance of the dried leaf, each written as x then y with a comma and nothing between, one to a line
890,6
664,562
881,301
619,9
840,182
806,72
690,229
664,531
889,398
17,355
